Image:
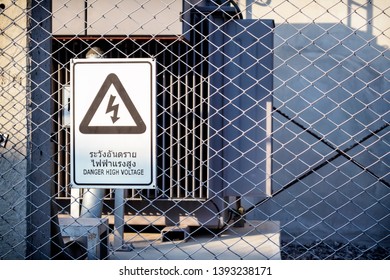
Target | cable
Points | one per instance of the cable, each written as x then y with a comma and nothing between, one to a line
238,10
234,4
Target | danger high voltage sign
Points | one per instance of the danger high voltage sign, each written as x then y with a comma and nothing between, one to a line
113,123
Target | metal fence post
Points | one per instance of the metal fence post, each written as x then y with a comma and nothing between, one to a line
40,183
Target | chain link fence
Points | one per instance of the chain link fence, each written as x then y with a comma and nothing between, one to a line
271,130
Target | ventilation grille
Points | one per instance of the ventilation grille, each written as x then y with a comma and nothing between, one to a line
182,113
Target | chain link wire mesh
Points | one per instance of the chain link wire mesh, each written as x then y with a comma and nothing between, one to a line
272,130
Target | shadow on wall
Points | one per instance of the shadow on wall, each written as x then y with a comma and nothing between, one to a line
330,96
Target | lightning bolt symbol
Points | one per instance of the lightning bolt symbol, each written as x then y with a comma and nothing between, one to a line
113,108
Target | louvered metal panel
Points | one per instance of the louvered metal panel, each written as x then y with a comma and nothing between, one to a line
182,113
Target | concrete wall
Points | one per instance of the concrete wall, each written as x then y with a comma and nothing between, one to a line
331,76
13,109
352,13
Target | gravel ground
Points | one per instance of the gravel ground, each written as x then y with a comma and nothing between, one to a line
333,251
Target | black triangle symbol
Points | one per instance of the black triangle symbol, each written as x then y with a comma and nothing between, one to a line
139,126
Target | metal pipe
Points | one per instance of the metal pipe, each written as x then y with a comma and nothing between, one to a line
92,205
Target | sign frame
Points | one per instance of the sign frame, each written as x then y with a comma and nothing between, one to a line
105,153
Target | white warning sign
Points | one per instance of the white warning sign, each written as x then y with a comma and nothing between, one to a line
113,123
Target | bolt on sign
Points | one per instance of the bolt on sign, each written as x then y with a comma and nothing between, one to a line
113,123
